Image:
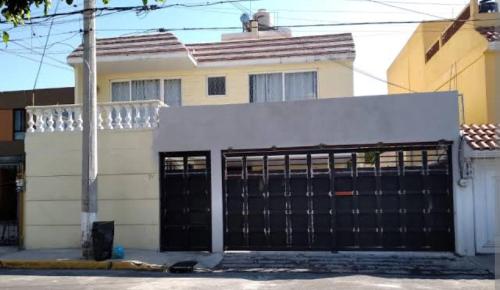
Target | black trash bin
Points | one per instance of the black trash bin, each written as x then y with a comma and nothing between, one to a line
102,239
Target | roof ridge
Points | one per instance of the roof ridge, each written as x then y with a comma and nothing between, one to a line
270,39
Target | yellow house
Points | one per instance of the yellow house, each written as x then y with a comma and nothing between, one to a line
246,67
462,55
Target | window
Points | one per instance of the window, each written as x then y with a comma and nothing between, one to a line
172,92
276,87
266,88
216,86
19,124
138,90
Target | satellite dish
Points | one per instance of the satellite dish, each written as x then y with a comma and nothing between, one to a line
245,21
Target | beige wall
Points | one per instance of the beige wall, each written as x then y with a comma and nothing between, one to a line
334,80
460,65
128,188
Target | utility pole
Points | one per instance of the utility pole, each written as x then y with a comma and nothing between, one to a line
89,138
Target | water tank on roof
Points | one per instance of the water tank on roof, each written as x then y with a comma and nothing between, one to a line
264,18
488,6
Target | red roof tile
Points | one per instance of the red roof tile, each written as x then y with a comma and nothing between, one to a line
482,137
334,46
140,44
491,33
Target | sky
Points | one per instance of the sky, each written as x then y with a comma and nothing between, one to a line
376,45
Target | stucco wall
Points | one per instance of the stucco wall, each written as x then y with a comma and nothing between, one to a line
127,184
334,80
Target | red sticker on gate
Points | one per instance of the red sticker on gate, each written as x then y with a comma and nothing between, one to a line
343,193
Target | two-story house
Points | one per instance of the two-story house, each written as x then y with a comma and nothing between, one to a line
251,143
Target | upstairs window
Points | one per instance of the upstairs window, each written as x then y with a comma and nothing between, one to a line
172,92
216,86
278,87
138,90
19,124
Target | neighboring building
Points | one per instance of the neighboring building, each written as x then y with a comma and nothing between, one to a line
276,162
462,55
482,167
12,132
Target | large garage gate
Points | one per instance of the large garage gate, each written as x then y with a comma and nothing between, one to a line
383,198
185,202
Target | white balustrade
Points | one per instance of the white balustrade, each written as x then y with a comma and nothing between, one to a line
110,116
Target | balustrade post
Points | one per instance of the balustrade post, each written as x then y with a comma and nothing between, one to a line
70,122
118,117
99,118
40,121
137,118
59,121
79,120
147,117
50,120
109,117
128,117
31,122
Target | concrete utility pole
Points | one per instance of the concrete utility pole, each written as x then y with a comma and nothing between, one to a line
89,138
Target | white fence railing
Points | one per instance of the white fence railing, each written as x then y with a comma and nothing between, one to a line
110,116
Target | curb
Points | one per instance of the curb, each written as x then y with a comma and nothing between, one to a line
81,265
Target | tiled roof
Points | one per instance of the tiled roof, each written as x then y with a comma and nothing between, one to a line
333,46
482,137
491,33
336,46
140,44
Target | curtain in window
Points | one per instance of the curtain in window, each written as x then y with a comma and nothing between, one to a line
120,91
146,90
173,93
266,88
300,86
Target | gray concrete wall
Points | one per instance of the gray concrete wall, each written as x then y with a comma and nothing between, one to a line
341,121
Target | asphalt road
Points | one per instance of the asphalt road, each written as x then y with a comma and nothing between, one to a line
23,279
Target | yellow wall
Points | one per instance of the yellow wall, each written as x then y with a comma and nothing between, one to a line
334,80
461,64
128,188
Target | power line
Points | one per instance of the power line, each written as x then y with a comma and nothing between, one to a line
36,60
43,57
140,8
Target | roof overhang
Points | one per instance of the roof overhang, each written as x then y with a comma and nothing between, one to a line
278,60
141,62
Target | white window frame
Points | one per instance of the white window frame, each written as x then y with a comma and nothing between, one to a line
206,85
283,87
162,84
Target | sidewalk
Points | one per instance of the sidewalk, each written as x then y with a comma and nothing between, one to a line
134,259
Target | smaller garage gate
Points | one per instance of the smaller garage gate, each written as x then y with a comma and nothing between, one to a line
391,197
185,213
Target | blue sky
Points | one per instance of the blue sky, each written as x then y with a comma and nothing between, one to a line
376,45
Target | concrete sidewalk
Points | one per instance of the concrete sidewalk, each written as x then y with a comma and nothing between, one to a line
206,261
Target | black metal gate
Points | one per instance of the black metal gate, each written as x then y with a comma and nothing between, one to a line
10,167
185,201
391,197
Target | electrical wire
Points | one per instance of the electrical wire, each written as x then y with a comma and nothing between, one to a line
43,57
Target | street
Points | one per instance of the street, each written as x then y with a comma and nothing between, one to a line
18,279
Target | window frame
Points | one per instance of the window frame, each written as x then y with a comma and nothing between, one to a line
160,79
207,86
14,131
283,86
